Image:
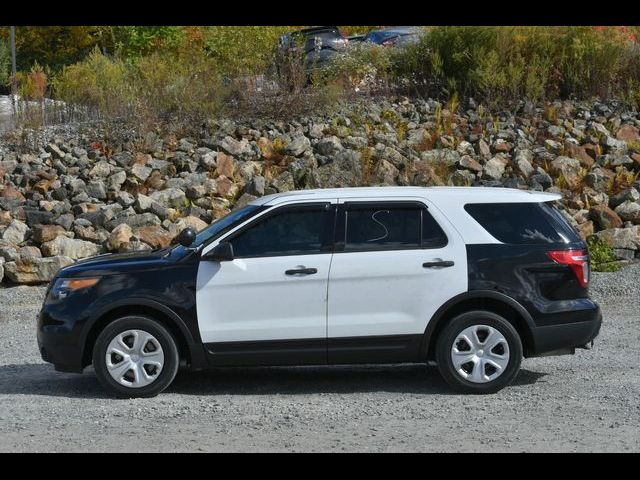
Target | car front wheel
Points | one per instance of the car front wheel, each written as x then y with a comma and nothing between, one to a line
479,352
135,356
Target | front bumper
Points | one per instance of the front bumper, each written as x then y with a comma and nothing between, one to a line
59,342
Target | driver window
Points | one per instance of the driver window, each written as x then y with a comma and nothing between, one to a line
292,232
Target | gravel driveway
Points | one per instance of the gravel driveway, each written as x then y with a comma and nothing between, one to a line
586,402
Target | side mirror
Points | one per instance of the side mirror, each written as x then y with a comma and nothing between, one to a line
186,237
223,252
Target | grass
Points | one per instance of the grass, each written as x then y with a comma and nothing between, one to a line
601,256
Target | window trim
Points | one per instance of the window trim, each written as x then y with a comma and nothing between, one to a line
326,246
341,225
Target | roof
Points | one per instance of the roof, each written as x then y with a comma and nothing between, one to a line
460,195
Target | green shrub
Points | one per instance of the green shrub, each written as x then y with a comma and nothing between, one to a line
601,255
508,63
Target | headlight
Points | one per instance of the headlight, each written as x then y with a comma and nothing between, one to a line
64,286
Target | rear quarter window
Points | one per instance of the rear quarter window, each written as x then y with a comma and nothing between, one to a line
523,223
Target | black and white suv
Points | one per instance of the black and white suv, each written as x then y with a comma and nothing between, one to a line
470,278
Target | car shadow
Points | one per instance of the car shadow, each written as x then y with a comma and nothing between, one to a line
42,379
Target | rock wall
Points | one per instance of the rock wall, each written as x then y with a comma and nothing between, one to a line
74,194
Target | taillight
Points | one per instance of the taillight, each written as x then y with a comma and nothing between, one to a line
578,260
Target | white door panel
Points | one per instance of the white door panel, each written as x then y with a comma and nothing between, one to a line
389,292
253,299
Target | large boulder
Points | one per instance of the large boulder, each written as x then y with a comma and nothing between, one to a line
629,211
16,232
624,241
34,269
70,247
171,197
120,238
154,236
604,217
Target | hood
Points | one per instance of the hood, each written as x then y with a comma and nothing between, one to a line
113,264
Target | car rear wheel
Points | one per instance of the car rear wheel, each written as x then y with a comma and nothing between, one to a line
479,352
135,356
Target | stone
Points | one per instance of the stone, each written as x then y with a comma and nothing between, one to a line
561,163
191,221
70,247
483,148
465,148
257,186
46,233
16,232
283,182
119,238
116,180
469,163
155,236
386,172
35,270
329,146
244,199
29,252
125,199
585,230
12,193
494,169
463,178
96,189
580,153
615,146
141,172
226,188
444,156
234,147
9,254
622,238
34,217
629,211
225,165
297,146
630,194
100,169
628,133
172,197
604,217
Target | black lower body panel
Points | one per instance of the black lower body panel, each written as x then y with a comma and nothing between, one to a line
333,351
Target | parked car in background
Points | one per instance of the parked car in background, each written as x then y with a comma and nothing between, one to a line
394,36
316,44
357,38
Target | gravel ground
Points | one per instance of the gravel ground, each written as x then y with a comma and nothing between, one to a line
586,402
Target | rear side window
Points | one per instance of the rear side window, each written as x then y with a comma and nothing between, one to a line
523,223
391,227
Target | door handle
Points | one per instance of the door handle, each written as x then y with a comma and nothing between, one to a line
441,263
301,271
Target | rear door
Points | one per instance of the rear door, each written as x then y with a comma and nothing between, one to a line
396,262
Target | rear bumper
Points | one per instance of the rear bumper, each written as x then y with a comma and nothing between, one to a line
565,337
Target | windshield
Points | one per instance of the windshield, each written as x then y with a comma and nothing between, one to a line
225,223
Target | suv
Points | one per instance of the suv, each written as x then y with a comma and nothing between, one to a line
472,279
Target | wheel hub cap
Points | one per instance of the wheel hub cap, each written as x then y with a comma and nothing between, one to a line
134,358
480,353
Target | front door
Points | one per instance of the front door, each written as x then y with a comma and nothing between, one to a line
395,263
269,305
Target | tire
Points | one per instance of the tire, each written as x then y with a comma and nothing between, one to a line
154,363
476,371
